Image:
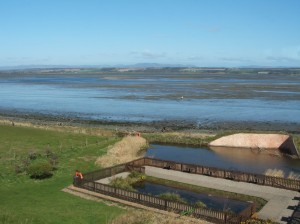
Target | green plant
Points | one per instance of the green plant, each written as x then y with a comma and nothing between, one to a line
187,213
33,155
40,170
200,204
172,197
122,183
135,174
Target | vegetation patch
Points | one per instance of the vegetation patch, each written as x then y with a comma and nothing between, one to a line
128,149
172,197
35,151
179,138
128,182
40,170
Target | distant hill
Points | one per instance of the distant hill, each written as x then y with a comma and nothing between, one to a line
138,65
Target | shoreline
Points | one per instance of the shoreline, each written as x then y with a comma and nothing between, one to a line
149,126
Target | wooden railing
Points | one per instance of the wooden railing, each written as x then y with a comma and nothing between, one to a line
208,214
163,204
260,179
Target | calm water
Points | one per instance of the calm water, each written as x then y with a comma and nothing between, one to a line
233,159
213,202
206,99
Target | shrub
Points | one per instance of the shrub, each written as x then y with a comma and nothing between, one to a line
172,197
200,204
40,170
121,183
33,155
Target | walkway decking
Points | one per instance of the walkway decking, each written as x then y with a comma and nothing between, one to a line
279,200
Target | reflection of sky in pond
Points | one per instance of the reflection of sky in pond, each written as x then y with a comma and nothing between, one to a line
233,159
212,202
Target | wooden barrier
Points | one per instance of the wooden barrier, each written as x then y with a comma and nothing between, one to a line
159,203
260,179
208,214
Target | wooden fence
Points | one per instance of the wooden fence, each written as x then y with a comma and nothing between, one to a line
163,204
208,214
138,164
260,179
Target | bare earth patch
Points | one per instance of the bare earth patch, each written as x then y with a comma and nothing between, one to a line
126,150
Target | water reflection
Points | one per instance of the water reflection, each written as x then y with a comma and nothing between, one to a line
218,203
246,160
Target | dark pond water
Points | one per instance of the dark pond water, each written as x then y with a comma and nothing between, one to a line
154,97
233,159
212,202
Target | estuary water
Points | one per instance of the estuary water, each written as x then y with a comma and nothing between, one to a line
202,99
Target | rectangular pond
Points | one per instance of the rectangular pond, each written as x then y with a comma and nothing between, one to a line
213,202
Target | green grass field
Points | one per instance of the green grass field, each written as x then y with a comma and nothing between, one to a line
25,200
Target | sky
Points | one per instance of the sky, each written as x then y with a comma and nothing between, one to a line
228,33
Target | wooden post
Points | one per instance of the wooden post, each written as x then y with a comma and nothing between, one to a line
166,207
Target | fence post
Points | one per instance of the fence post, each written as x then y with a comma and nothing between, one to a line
166,204
225,218
94,186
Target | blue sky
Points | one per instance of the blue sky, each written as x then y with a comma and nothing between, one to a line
193,32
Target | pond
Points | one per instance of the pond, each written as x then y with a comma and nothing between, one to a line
233,159
213,202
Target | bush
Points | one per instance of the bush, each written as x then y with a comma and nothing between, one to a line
200,204
40,170
121,183
33,155
172,197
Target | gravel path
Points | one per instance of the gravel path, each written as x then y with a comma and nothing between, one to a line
279,200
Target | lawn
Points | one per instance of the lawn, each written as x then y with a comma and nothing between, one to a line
25,200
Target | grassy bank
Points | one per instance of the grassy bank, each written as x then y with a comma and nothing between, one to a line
179,138
25,200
